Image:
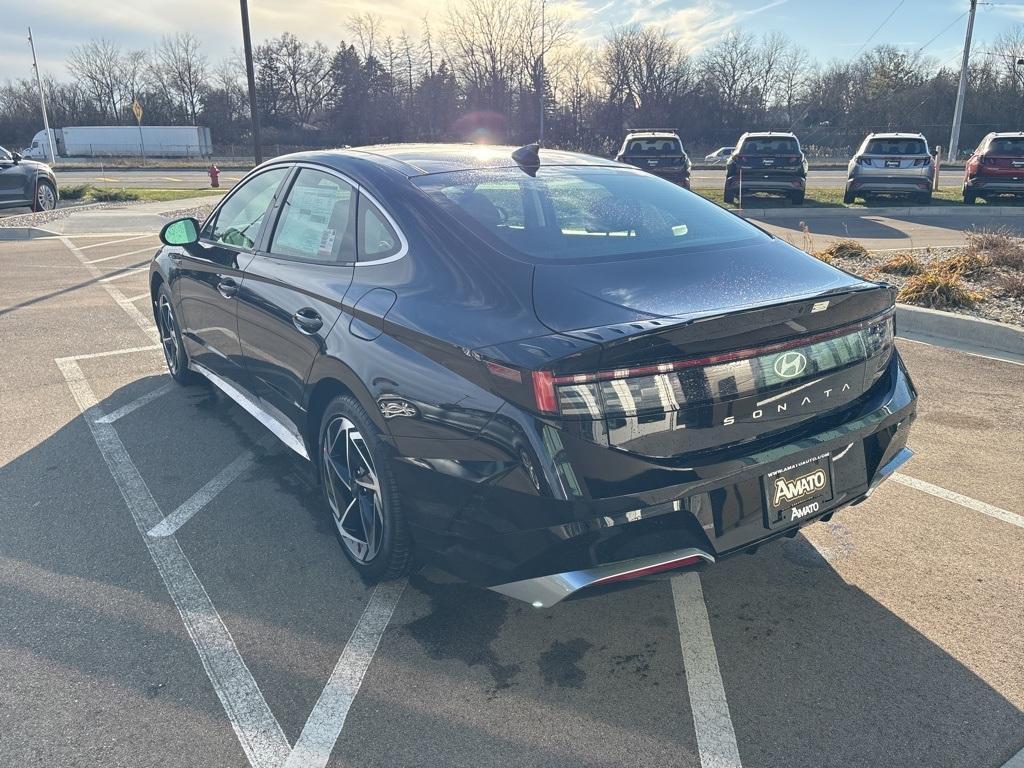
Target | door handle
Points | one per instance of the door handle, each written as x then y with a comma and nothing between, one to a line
308,320
227,287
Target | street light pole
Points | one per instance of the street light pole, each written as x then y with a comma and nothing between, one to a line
543,81
958,111
42,100
247,43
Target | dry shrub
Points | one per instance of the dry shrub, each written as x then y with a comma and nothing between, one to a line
902,264
843,249
938,290
1012,285
999,246
966,264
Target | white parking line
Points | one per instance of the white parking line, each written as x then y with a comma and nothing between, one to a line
126,273
111,353
137,403
141,320
958,498
716,739
258,731
170,524
112,242
121,255
319,735
1017,761
135,298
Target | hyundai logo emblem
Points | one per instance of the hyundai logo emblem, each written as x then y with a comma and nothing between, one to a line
790,364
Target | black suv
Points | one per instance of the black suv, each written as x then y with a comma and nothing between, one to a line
658,152
767,162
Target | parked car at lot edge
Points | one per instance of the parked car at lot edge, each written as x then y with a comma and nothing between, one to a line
891,163
720,155
657,152
995,168
26,183
767,162
538,370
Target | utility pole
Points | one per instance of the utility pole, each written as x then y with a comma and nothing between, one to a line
543,81
42,100
247,42
958,112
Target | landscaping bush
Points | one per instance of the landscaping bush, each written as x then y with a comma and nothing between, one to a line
999,246
966,264
843,249
902,264
938,290
74,191
1012,285
112,195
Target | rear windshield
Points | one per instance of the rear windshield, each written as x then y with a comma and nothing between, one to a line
1014,146
653,147
574,212
896,147
770,145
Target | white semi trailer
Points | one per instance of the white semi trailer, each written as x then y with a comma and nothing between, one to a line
123,141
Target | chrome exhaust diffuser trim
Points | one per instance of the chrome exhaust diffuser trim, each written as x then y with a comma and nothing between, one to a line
545,591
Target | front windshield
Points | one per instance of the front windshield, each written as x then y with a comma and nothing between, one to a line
583,212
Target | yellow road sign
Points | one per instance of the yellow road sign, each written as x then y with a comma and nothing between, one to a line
137,111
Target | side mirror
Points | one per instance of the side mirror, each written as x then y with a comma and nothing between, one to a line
180,232
15,157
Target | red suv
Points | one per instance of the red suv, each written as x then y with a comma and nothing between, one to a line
996,167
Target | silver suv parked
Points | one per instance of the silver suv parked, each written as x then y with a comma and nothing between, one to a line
891,163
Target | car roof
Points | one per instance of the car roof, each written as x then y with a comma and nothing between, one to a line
894,135
421,159
1005,135
772,134
653,134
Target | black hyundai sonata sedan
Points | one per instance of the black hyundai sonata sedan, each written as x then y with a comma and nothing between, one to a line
538,370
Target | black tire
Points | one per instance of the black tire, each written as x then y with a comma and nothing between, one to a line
797,198
923,198
849,198
970,198
170,338
392,557
45,198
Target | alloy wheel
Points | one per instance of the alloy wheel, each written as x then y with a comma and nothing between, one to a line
353,489
45,198
168,334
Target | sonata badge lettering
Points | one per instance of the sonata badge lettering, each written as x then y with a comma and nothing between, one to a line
788,365
797,488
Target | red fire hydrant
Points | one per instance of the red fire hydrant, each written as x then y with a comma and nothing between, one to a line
214,172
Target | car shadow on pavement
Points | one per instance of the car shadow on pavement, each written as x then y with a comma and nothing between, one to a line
817,672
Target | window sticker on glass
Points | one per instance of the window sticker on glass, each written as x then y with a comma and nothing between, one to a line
314,219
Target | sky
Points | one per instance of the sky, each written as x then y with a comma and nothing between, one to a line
826,28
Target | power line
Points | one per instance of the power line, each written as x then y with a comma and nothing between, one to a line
944,31
879,28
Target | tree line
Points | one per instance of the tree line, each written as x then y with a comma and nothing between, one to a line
487,68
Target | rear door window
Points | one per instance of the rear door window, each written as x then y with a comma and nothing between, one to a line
317,219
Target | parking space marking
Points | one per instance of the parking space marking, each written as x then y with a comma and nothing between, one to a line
258,731
716,739
958,498
170,524
112,242
145,295
121,255
1017,761
126,273
109,353
137,403
147,324
319,735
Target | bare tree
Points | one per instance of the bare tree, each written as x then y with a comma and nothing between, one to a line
180,68
366,29
106,73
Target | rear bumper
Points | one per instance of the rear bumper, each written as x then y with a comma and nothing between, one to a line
995,184
905,184
543,527
756,182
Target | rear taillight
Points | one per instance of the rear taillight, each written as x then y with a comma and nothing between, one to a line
647,389
922,161
864,161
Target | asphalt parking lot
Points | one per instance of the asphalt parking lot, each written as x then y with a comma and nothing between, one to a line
172,592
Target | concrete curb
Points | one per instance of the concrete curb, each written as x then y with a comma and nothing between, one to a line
24,233
971,334
895,212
